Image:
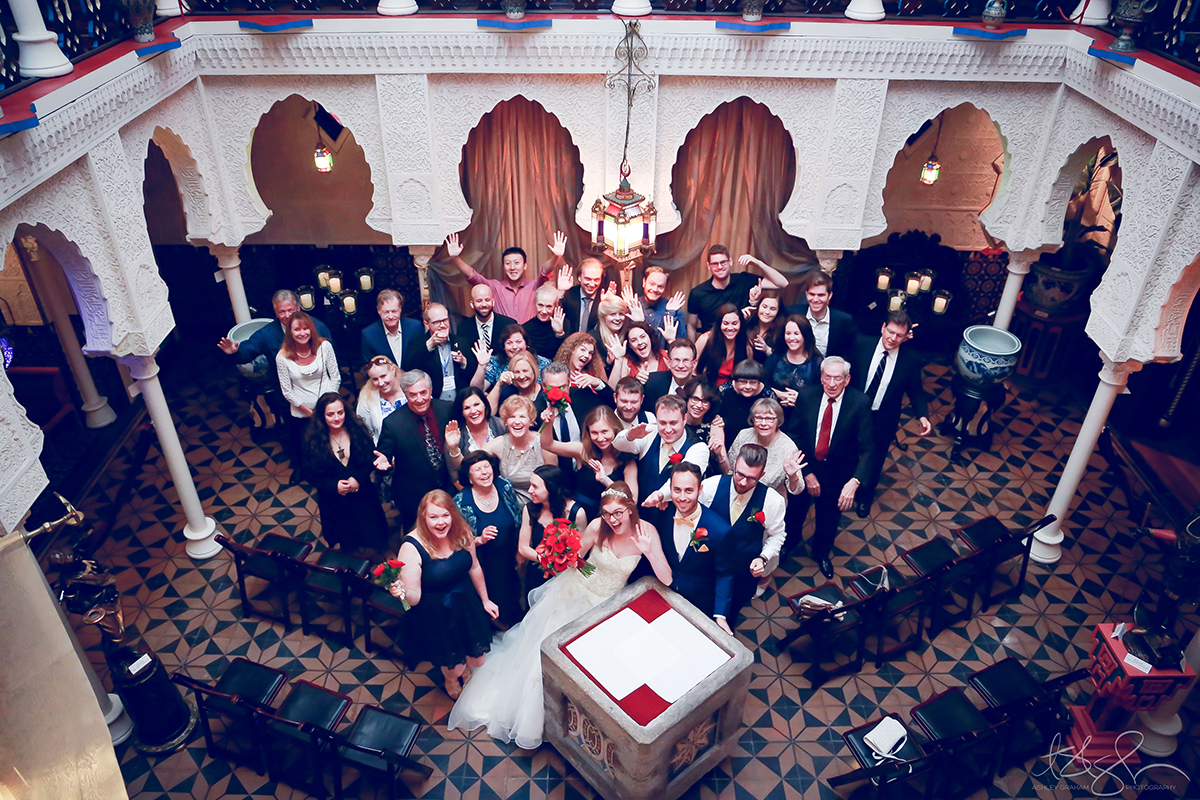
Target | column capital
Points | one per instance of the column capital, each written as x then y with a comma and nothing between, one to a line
140,367
422,254
1019,262
828,259
1117,374
227,256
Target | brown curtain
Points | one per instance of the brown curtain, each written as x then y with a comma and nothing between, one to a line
522,177
732,177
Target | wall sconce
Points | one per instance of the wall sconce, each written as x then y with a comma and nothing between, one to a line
896,300
927,276
308,298
912,283
941,301
366,279
322,274
334,284
349,302
883,279
321,155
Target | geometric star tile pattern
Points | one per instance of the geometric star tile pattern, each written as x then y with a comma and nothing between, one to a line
791,742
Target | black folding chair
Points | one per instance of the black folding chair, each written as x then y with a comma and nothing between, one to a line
829,629
296,732
378,742
956,580
241,690
910,773
379,608
971,745
328,578
1002,545
269,560
902,613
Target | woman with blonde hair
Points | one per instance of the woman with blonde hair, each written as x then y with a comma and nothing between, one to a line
522,377
612,313
506,694
442,582
380,395
520,449
600,465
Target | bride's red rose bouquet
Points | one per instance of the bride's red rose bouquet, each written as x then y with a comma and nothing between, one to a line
386,574
559,550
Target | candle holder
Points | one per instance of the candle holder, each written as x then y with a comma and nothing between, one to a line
927,276
349,302
883,279
897,300
912,284
365,278
941,301
308,298
335,285
322,273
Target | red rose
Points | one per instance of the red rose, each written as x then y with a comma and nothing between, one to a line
378,571
675,458
760,517
394,564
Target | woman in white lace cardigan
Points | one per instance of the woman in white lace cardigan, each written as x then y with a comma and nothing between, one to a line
307,368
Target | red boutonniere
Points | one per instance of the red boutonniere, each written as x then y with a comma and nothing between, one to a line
699,540
388,573
675,458
757,516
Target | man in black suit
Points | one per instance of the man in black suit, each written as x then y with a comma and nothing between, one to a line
692,537
393,335
445,363
833,423
484,325
834,331
412,444
581,303
887,372
681,368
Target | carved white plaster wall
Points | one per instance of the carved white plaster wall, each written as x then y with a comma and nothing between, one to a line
458,102
1169,333
1153,192
237,104
803,106
408,148
1011,107
22,478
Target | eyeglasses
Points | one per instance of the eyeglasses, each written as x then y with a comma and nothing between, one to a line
719,262
616,513
702,400
437,323
765,418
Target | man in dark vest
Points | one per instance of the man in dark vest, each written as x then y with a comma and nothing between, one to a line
692,538
755,515
662,444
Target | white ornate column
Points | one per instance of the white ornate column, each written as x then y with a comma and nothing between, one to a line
1161,727
1047,543
828,259
231,270
1018,267
200,531
40,56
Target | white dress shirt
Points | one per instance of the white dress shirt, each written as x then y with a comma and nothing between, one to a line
486,334
395,344
888,369
820,329
773,509
683,532
837,409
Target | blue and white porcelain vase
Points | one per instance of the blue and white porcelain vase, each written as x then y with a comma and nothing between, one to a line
994,13
987,355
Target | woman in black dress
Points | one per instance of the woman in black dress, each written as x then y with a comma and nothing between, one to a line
339,459
550,499
599,463
444,585
490,506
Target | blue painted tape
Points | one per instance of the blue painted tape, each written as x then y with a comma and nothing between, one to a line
160,47
18,125
994,36
753,27
514,24
1109,55
279,28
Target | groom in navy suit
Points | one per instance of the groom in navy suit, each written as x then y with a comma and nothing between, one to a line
691,535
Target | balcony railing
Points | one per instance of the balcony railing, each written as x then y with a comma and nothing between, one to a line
85,27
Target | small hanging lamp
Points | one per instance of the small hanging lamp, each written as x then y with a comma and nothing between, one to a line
321,155
929,172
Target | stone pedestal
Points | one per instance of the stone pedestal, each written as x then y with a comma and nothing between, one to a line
620,758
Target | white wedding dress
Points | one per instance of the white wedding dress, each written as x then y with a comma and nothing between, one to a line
506,692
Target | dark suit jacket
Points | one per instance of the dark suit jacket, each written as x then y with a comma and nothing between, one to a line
843,331
850,446
906,380
694,574
401,439
655,387
412,332
468,335
428,360
570,306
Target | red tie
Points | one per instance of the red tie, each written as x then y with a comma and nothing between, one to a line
826,430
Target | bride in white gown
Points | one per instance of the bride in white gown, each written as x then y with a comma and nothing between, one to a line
505,694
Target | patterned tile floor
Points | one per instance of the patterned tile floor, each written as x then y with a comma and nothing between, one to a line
189,613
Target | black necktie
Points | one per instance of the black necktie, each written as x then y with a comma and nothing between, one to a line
877,378
564,428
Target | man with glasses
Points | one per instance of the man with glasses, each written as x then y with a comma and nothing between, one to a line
832,423
662,444
738,397
724,287
692,538
444,363
681,368
392,335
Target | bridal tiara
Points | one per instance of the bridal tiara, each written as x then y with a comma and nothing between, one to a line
614,493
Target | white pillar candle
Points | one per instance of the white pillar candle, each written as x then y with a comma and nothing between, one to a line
894,302
926,282
364,282
335,284
349,305
884,282
939,305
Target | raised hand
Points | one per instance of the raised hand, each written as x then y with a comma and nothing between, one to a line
228,346
453,247
558,320
482,354
597,468
613,288
617,351
794,464
566,278
453,435
549,414
747,260
559,245
643,376
635,305
639,431
755,291
670,327
506,377
760,343
676,302
381,462
655,500
641,538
